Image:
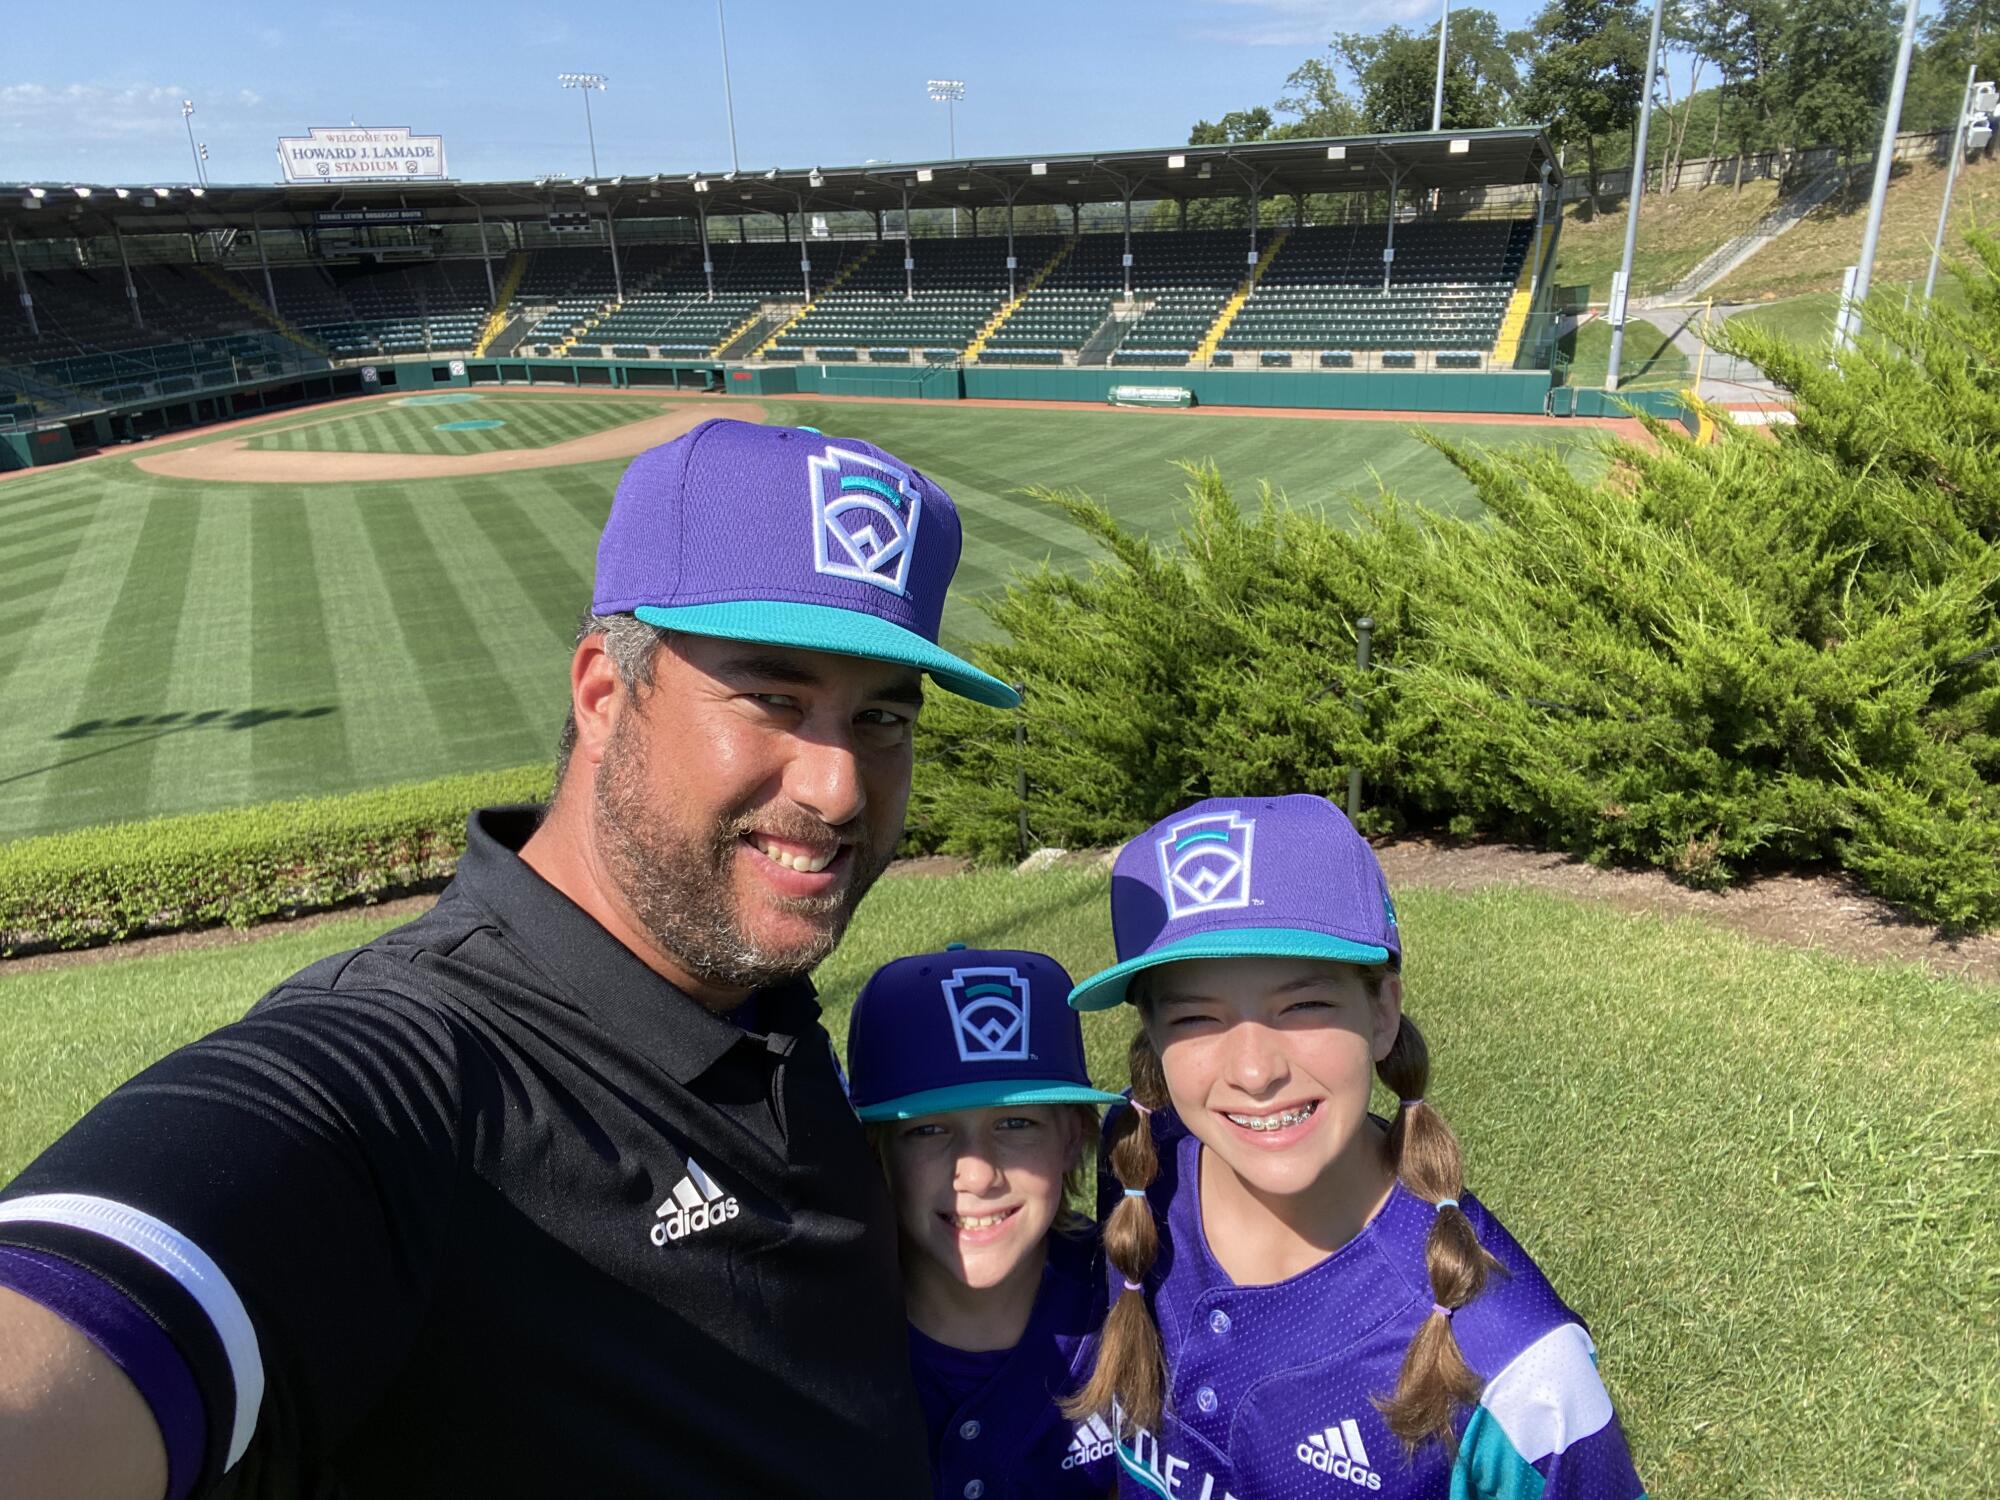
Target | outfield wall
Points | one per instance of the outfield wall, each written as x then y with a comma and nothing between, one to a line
1526,393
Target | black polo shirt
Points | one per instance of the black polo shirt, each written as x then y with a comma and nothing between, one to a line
493,1210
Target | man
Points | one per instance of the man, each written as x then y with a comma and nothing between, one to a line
554,1191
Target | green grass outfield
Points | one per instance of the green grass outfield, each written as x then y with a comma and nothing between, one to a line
1767,1179
171,646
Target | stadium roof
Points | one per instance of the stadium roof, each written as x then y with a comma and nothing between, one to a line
1447,161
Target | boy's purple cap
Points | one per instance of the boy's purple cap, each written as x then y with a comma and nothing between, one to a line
965,1029
1245,877
787,537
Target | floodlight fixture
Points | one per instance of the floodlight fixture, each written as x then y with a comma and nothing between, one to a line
1176,163
1460,146
588,84
813,178
700,184
1038,169
925,174
1336,153
122,192
199,192
81,192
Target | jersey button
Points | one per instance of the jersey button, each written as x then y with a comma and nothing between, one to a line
1218,1321
1205,1399
974,1488
969,1431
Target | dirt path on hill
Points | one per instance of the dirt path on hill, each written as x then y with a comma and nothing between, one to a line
234,461
1822,913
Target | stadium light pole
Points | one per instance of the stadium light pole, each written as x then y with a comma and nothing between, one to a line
1849,321
728,94
1437,97
589,83
187,119
1951,177
1621,289
948,91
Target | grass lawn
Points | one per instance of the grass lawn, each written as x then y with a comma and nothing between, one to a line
175,646
1808,317
1675,231
1767,1179
1649,360
521,422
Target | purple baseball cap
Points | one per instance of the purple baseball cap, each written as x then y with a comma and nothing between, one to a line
787,537
1245,877
965,1029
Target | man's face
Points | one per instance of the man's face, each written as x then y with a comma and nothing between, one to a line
748,799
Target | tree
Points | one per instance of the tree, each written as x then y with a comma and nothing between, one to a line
1585,83
1396,71
1741,38
1963,34
1838,56
1319,106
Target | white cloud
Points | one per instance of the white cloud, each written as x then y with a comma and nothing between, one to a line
80,111
249,98
1303,23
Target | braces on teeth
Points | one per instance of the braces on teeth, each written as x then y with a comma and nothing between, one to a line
1275,1122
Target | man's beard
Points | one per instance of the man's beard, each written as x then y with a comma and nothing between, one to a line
679,884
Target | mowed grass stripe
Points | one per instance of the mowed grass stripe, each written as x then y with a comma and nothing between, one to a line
206,761
551,578
529,423
292,666
529,655
391,729
128,672
479,718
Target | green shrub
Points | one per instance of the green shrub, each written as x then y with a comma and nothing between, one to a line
1775,650
96,885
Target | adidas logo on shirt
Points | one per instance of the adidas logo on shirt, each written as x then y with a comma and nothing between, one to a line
1338,1451
1093,1441
697,1204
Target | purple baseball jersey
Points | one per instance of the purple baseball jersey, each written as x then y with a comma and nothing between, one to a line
1271,1389
995,1432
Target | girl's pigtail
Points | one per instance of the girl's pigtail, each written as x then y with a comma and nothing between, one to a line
1435,1379
1130,1375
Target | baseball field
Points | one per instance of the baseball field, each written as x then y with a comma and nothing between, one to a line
385,590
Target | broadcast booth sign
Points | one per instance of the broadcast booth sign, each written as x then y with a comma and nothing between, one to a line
360,153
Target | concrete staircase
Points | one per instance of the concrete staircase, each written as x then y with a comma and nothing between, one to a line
1514,322
644,284
510,283
753,333
838,277
262,312
1240,296
1730,254
1008,309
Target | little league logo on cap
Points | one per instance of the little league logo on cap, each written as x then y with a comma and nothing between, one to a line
1205,863
785,537
1187,888
865,514
965,1030
989,1014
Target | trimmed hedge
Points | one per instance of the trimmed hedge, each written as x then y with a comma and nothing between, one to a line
100,885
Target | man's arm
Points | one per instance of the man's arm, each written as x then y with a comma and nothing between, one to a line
72,1427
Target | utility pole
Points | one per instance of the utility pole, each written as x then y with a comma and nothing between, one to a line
1621,288
1849,322
948,91
1437,97
1951,177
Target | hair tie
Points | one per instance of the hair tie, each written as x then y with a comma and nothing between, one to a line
1443,1203
1436,1307
1135,1192
1410,1103
1144,1109
1134,1286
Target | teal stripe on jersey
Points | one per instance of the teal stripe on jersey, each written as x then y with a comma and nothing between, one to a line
1489,1467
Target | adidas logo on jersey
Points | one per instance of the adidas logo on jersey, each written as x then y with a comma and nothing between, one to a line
1339,1451
696,1204
1093,1440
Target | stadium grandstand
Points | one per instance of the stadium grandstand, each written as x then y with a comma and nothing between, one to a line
137,309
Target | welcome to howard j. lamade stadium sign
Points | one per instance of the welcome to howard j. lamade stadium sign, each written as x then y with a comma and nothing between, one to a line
361,153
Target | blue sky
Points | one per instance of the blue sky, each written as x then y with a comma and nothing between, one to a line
816,83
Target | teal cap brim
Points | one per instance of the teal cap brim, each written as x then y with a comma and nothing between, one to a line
1107,988
844,632
986,1096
